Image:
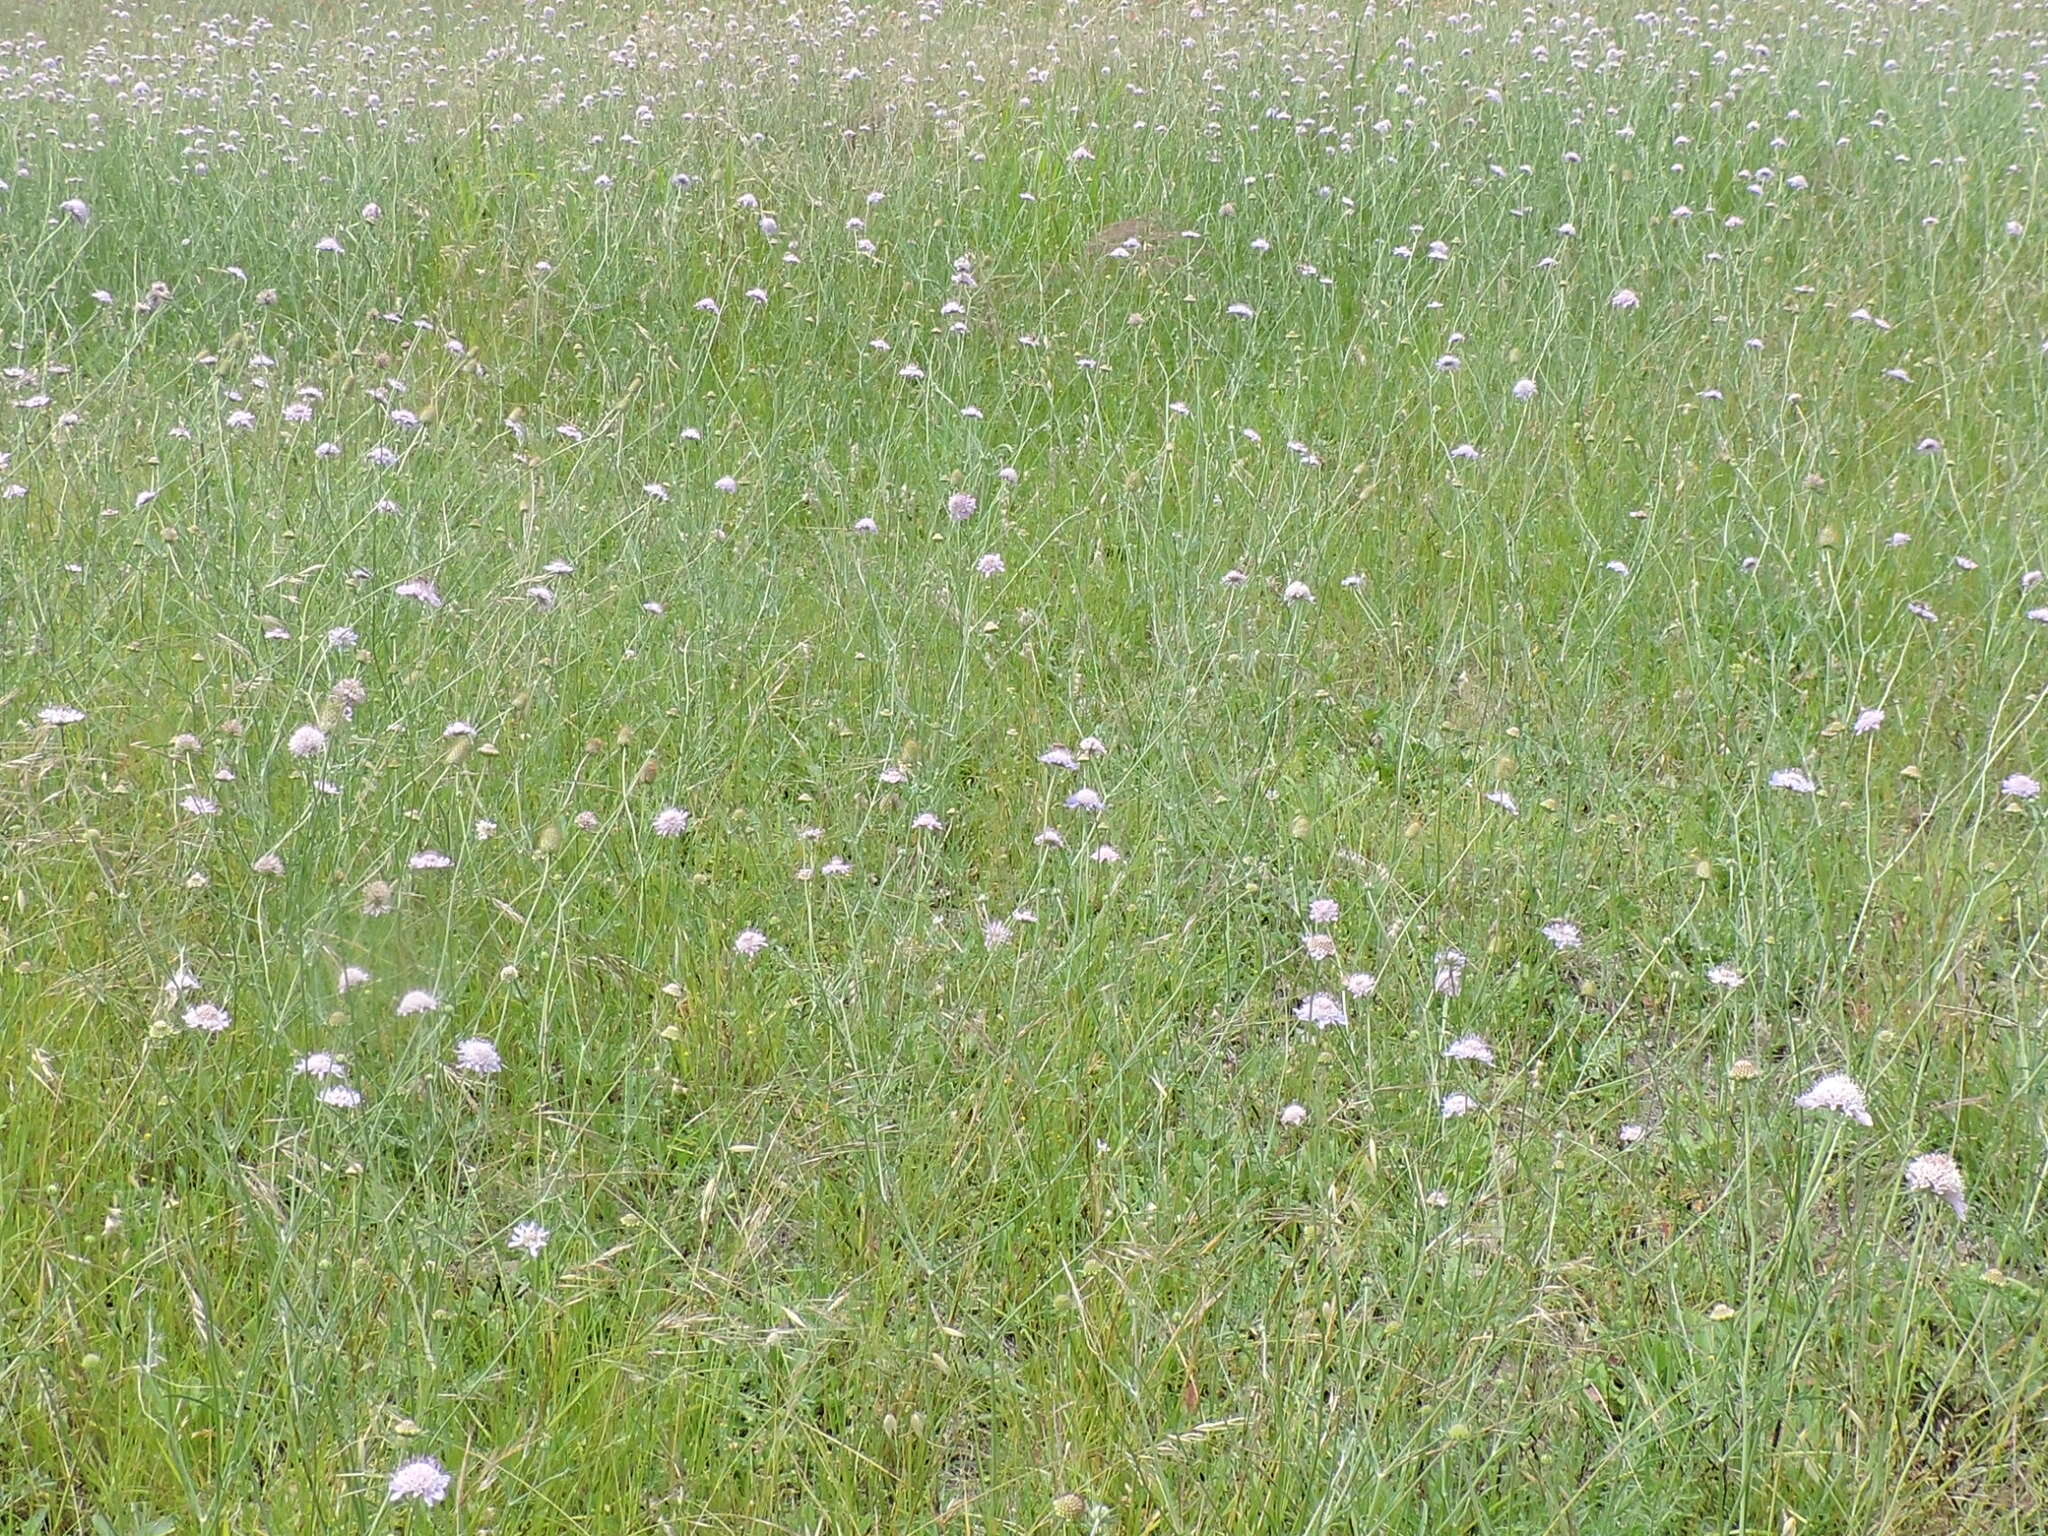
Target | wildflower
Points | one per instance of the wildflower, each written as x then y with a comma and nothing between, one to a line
1106,854
1322,1010
1867,721
199,805
485,829
478,1055
995,934
1624,298
268,864
725,485
1793,779
208,1018
2020,786
1319,946
1465,451
671,821
76,209
429,858
1504,800
320,1065
59,714
1563,934
1235,578
1085,799
421,590
1294,1116
340,1096
1629,1135
1725,976
1322,910
1297,592
749,943
307,741
1470,1048
1361,983
422,1478
1450,973
1091,747
1048,837
329,246
1838,1092
1057,756
1525,389
1457,1105
990,565
528,1237
960,506
1936,1173
352,976
1922,612
378,898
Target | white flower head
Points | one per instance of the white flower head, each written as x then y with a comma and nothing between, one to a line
478,1055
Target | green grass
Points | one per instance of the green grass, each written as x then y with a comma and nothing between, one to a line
888,1229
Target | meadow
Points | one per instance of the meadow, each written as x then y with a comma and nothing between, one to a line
980,767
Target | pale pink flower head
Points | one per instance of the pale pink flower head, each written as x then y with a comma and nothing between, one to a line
960,506
478,1055
1867,721
1085,799
671,821
749,943
1837,1092
340,1096
1456,1106
1470,1048
1794,780
2019,786
990,565
1322,910
1361,984
529,1238
1938,1174
418,1001
307,741
1323,1010
1297,592
59,714
422,1478
1449,980
1725,976
1319,946
1564,934
1294,1116
1625,298
207,1018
